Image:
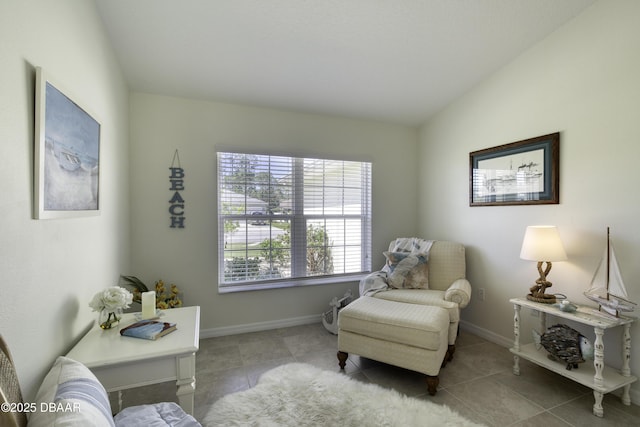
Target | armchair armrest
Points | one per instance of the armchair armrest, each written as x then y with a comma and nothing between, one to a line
459,292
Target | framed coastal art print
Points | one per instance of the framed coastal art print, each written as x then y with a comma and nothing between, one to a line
521,173
66,155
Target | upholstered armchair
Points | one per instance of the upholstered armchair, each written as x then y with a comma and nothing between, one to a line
409,311
425,272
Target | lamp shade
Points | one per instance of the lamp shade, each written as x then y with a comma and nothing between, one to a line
542,243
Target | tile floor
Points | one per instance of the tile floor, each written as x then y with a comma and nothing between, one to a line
478,383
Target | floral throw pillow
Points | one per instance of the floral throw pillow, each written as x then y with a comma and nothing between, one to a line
407,271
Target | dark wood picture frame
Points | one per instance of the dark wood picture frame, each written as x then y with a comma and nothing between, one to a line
520,173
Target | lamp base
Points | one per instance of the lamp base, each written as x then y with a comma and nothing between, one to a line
546,299
536,292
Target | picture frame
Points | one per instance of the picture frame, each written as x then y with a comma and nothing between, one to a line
520,173
66,154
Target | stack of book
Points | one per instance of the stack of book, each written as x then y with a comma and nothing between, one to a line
148,329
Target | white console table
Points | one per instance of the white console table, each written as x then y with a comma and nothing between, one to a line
121,362
599,377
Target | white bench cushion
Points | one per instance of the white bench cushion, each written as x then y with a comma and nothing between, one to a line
410,324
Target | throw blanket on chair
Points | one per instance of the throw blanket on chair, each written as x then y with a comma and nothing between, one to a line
374,283
378,281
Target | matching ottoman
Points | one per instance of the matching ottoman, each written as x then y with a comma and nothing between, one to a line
410,336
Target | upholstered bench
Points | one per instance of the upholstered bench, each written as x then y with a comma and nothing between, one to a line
410,336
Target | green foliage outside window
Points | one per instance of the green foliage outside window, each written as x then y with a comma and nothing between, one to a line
319,258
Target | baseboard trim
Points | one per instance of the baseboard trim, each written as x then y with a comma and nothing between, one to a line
508,343
259,326
486,334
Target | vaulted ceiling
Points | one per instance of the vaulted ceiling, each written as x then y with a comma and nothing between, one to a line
397,61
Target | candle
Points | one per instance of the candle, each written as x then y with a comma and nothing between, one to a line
148,305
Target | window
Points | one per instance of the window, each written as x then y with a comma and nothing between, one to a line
286,221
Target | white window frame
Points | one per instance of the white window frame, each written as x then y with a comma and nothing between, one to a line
299,222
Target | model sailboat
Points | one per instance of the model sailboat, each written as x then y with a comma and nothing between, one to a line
607,287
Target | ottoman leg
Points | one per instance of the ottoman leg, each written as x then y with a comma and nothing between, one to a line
432,384
342,358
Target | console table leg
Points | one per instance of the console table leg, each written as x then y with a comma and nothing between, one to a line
598,411
626,356
598,363
516,341
543,322
598,359
626,397
186,382
186,393
626,350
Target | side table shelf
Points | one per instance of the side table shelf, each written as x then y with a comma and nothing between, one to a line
600,378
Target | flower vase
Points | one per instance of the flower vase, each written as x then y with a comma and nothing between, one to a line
109,318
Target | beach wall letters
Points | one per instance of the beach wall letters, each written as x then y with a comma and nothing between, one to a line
176,185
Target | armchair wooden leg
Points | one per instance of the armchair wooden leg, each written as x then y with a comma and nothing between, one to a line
448,356
342,358
432,384
450,351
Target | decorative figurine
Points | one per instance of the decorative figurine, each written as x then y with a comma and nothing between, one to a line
564,344
330,318
566,305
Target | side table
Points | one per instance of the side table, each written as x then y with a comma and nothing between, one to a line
121,362
599,377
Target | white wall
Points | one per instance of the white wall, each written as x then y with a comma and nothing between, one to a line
188,256
50,269
582,81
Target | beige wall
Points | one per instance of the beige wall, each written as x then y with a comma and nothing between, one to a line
50,269
188,257
582,81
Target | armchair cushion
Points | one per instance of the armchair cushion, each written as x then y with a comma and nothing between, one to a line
419,326
422,297
407,270
164,414
427,298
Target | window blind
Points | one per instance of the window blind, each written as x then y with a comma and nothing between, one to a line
290,219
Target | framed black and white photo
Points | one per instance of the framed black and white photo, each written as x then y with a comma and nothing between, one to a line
66,155
520,173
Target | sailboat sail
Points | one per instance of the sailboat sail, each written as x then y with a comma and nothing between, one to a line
616,285
607,287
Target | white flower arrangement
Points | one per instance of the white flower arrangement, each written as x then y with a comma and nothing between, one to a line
111,299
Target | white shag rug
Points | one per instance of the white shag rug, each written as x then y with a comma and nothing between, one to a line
298,395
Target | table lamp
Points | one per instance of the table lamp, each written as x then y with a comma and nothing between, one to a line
542,243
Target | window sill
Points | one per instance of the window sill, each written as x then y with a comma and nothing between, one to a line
293,283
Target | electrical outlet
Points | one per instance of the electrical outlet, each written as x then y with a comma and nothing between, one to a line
481,294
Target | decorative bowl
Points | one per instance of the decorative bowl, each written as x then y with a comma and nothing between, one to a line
566,306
